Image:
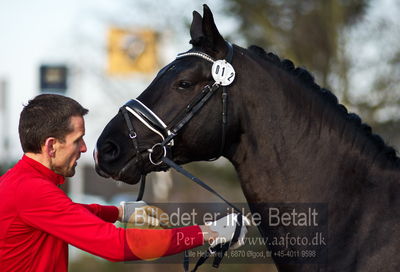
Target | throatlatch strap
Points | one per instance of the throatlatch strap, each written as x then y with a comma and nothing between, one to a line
224,97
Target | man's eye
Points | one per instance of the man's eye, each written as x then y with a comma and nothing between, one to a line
184,84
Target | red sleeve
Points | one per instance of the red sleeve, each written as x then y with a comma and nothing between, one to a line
107,213
44,206
153,243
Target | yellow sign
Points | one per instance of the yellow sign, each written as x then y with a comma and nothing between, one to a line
131,51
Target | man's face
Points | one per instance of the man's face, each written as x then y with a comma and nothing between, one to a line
69,151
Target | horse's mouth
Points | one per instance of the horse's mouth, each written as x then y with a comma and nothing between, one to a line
125,175
128,175
129,172
101,172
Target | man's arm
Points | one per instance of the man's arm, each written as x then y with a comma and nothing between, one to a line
107,213
44,206
135,212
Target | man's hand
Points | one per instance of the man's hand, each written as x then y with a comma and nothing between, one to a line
222,230
140,214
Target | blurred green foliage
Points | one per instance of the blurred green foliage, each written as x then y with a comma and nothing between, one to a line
351,47
307,32
4,166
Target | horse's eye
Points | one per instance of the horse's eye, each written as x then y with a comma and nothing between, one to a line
184,84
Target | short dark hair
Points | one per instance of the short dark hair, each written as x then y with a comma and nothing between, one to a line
47,115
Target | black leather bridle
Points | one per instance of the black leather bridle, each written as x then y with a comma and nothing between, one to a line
168,133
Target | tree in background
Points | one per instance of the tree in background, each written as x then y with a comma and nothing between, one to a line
307,32
375,67
349,47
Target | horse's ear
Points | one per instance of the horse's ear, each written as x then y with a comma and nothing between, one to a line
204,33
211,33
196,29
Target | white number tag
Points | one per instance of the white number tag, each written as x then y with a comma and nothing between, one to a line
223,72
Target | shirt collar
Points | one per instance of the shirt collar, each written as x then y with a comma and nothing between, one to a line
43,170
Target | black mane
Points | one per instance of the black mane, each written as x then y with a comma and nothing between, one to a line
308,80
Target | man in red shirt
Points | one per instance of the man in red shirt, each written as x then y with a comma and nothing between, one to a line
38,220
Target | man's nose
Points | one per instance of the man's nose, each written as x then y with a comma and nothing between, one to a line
83,147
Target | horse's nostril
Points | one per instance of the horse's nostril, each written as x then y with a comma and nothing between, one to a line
110,151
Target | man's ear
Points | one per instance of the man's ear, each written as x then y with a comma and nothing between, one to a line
49,147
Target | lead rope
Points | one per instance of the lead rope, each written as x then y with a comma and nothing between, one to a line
142,187
182,171
219,249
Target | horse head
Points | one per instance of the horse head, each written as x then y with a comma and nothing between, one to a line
134,140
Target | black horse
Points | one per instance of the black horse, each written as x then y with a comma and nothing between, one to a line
289,140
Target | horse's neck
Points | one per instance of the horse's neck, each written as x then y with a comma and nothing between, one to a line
291,144
291,153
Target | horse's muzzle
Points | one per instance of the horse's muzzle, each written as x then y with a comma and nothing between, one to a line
97,168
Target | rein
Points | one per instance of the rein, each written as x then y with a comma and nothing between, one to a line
223,74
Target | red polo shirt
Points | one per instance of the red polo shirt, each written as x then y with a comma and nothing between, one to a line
38,221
